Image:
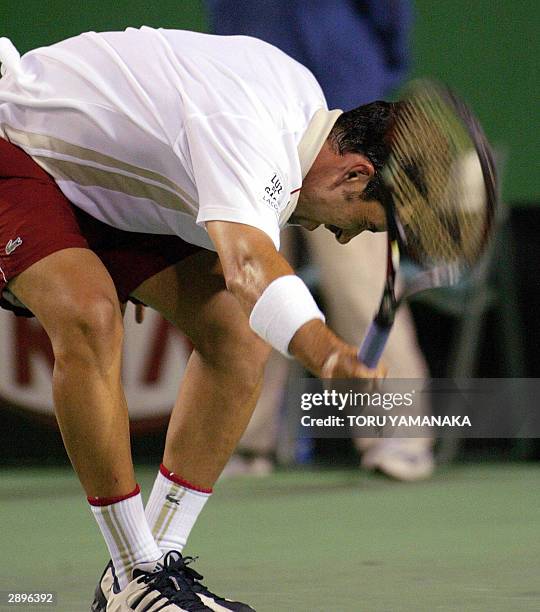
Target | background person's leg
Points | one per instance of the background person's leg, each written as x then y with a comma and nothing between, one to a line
352,279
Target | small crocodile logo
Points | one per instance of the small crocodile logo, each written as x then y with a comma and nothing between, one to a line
13,244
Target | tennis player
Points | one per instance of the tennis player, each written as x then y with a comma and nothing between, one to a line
159,166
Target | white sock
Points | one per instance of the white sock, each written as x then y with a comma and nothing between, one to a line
173,508
124,526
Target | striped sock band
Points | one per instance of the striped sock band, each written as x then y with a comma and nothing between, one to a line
124,526
173,508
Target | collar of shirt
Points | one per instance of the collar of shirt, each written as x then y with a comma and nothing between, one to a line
309,146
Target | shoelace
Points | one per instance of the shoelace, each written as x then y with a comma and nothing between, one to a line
172,582
195,578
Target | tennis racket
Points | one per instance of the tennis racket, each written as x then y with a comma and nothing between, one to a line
439,194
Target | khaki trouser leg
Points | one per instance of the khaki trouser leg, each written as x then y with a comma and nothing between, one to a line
352,279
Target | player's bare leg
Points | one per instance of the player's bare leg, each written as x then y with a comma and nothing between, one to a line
215,402
74,298
224,374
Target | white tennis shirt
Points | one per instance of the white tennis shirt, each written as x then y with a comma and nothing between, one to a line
159,131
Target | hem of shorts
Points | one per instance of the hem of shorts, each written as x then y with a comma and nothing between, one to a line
31,260
125,295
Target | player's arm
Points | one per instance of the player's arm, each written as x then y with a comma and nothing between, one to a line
251,266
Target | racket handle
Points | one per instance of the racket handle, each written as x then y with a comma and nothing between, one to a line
373,344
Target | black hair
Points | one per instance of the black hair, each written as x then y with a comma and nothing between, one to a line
366,130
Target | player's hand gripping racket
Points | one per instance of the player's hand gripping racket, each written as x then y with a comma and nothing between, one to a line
440,194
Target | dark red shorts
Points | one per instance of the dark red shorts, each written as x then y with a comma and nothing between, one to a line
36,220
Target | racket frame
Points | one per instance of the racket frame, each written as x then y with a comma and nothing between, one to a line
422,279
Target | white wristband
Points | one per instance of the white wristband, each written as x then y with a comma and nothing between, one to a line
285,305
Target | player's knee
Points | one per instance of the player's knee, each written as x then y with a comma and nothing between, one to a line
249,356
237,352
90,328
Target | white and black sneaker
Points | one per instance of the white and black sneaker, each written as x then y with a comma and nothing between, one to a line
154,587
184,579
103,589
213,601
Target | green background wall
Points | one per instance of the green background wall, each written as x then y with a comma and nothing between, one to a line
487,49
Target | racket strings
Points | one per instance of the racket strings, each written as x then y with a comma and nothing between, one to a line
436,182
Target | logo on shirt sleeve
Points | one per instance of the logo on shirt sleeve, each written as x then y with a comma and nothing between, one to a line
273,193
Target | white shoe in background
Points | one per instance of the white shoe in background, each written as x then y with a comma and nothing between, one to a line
252,465
406,459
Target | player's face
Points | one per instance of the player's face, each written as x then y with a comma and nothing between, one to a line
334,194
346,220
365,215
